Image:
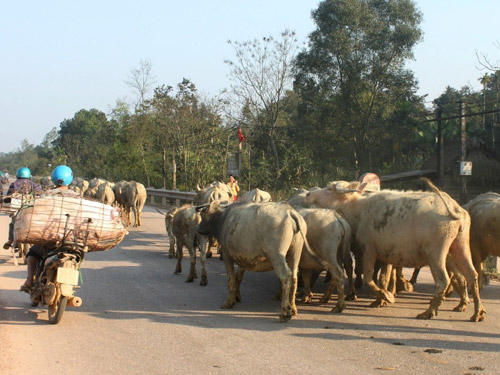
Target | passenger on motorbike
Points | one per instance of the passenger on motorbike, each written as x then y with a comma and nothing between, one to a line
62,177
23,185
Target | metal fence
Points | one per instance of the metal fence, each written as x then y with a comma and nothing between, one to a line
169,196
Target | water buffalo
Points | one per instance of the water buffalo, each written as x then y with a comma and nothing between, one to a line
408,229
258,237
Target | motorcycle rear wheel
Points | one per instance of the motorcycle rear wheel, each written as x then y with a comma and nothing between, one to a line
56,310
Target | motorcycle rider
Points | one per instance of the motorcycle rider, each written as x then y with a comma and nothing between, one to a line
22,185
62,177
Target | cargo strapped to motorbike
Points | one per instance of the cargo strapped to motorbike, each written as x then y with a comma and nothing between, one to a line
60,219
17,200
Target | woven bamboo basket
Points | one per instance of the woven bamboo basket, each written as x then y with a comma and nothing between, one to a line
57,218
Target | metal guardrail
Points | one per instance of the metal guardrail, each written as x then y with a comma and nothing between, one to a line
173,195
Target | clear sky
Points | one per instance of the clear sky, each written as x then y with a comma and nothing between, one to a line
58,57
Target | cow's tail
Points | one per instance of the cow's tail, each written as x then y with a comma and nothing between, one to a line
345,247
302,228
160,212
436,190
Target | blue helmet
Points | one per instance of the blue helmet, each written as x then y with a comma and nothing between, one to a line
62,175
23,172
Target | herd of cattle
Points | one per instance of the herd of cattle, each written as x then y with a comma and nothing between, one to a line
130,195
324,229
320,229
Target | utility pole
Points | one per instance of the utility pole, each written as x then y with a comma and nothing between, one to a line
463,153
439,156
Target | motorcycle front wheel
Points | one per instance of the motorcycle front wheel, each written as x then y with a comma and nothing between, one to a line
56,310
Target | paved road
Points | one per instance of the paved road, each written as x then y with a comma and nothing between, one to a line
138,317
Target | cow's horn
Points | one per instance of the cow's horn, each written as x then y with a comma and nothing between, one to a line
201,207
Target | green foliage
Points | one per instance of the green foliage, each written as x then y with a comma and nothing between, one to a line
352,108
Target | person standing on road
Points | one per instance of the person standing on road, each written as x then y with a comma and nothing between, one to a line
233,186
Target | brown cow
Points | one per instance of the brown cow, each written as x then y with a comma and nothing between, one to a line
408,229
258,237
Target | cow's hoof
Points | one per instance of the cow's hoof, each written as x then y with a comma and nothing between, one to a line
378,303
307,299
203,281
227,305
460,307
338,309
478,316
404,286
324,299
171,256
176,272
285,318
425,315
209,254
189,280
387,296
351,297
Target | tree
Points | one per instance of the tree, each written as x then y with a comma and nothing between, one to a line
85,141
262,72
484,80
352,79
141,80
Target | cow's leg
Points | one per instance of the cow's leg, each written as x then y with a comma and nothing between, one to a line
441,281
192,259
285,276
369,258
460,252
178,267
231,283
136,217
384,281
414,276
358,265
478,262
171,251
239,278
203,260
306,279
349,269
460,284
293,259
402,285
337,279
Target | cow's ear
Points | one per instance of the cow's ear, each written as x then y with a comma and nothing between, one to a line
362,186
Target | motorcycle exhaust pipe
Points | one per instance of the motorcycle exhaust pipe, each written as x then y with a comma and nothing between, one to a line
75,302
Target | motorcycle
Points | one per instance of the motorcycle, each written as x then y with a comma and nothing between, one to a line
57,275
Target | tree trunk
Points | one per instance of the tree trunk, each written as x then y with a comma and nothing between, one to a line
164,167
144,165
174,171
